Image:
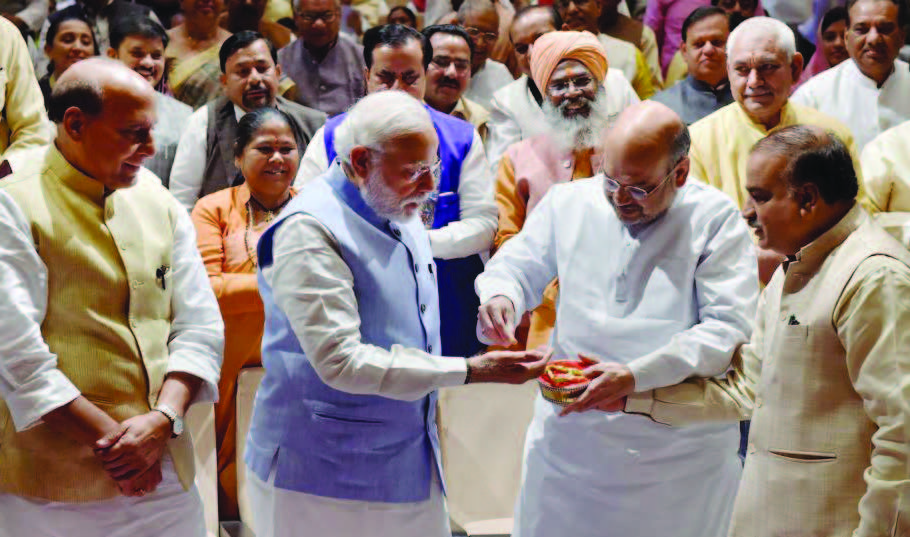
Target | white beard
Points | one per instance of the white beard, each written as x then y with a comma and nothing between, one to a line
579,132
385,203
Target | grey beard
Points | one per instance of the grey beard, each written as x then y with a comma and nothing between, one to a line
578,132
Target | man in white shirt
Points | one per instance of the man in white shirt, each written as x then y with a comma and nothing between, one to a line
657,274
110,329
204,162
343,441
463,219
480,20
516,111
870,93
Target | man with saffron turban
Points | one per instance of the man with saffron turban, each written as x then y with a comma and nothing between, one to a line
569,68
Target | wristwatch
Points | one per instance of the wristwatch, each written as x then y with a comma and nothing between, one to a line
173,417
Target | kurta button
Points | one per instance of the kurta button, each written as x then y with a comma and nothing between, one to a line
396,232
416,267
429,348
423,308
567,164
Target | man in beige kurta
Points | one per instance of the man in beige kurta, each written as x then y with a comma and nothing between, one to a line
822,375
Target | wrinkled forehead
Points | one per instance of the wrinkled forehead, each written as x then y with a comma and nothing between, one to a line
756,48
450,45
398,59
256,53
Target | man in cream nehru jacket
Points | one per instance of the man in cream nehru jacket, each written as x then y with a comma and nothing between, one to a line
110,329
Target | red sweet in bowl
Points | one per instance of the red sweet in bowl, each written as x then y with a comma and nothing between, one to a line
563,381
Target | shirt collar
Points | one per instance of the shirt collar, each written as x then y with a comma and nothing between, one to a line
810,257
74,179
703,86
859,76
787,117
461,110
238,112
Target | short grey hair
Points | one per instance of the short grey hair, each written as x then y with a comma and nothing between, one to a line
777,30
679,147
380,117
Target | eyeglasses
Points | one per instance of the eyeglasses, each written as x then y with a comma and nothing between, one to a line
489,37
325,16
560,87
418,169
638,194
443,62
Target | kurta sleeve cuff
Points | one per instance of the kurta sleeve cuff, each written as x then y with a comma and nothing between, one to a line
452,372
43,393
649,372
204,368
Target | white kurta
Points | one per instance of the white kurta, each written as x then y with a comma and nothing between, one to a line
288,513
845,93
169,510
670,300
492,77
516,116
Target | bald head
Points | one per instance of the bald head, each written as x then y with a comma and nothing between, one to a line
648,129
474,8
645,161
105,113
87,84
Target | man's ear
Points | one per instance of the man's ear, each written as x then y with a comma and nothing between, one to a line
360,163
223,79
74,123
808,197
682,172
796,66
112,54
366,78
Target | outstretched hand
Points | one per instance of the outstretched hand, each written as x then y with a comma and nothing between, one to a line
510,367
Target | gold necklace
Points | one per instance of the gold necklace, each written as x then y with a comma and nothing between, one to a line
269,216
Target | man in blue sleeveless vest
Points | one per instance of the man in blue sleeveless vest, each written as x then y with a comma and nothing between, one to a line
343,441
465,214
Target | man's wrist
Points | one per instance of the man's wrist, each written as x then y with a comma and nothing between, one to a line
164,422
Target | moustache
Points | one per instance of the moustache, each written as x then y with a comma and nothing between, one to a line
449,82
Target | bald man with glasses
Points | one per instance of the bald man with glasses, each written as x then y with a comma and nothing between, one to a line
657,274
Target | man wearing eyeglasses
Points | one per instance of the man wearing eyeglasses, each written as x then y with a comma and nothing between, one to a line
449,74
343,440
326,65
516,111
576,110
480,19
462,220
657,283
